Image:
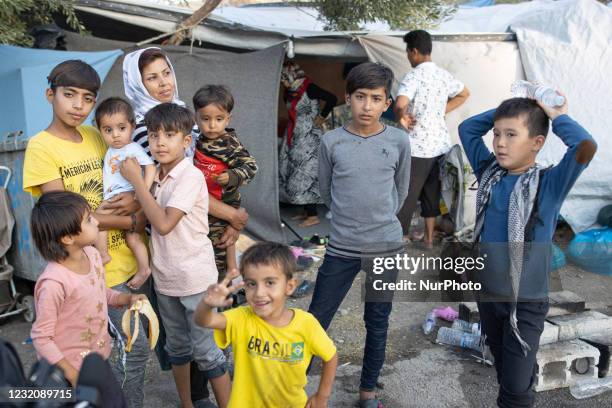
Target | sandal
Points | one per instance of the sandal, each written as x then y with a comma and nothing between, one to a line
303,289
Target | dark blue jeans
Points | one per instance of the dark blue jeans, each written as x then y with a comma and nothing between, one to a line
515,371
334,279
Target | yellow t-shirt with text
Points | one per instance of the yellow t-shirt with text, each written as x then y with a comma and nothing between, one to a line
79,166
270,362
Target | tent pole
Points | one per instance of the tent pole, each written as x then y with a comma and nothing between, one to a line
286,224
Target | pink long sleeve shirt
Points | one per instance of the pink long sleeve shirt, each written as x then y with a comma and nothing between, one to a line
71,312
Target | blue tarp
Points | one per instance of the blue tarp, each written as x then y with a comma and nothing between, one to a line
23,80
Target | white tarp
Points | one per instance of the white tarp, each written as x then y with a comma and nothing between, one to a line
495,19
569,48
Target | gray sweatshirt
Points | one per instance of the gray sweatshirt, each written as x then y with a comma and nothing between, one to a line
364,181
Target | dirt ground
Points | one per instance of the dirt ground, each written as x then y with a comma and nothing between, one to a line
417,372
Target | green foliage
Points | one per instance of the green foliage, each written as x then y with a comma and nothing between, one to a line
18,16
344,15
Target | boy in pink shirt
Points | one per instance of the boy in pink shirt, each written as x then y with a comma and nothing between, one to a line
71,296
182,259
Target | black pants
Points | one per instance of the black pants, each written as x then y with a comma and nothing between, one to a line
515,371
424,186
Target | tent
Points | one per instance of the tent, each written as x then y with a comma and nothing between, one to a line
561,43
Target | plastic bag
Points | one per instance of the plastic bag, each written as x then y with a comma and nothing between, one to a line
592,250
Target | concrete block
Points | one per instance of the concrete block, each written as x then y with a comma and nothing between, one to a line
468,311
603,342
550,334
564,302
576,325
564,363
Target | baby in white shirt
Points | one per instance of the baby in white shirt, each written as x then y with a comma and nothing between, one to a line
115,120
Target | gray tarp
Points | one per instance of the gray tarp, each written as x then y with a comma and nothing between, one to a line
254,81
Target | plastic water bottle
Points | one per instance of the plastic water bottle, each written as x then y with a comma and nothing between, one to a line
544,94
462,325
590,387
430,323
459,338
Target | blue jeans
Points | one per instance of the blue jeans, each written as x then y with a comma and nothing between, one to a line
132,378
334,279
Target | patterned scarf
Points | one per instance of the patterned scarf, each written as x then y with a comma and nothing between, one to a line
521,204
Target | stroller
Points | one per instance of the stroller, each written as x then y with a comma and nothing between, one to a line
11,302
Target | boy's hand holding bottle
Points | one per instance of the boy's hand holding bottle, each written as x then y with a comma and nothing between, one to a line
554,111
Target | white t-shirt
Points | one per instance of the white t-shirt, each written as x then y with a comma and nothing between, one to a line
114,183
429,87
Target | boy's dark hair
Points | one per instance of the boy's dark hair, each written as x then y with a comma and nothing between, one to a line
112,106
75,73
150,55
369,75
270,253
55,215
419,39
536,119
171,117
214,94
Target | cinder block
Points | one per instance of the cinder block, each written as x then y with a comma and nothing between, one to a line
550,334
468,311
577,325
603,342
564,363
564,302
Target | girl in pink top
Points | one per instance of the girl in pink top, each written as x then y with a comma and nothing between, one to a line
71,296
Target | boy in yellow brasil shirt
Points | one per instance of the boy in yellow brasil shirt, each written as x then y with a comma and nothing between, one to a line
272,344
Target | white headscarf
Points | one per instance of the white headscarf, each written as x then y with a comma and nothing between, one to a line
135,90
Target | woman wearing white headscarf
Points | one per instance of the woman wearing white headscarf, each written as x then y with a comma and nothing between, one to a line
149,79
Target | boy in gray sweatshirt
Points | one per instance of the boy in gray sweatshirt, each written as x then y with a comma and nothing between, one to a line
364,174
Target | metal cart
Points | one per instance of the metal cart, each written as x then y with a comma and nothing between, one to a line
11,302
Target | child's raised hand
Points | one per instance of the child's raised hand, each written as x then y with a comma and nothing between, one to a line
130,169
554,111
217,294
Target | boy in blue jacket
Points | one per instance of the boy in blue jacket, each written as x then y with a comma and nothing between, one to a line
518,202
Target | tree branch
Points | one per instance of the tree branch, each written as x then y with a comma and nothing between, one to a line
193,20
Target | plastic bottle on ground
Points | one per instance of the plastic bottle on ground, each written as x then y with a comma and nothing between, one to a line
462,325
454,337
591,387
544,94
430,323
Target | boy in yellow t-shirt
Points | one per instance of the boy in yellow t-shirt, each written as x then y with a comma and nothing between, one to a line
69,156
272,344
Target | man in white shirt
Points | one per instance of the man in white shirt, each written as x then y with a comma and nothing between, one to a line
425,95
